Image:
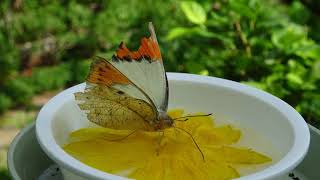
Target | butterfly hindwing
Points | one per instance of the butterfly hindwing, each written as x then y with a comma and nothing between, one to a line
112,108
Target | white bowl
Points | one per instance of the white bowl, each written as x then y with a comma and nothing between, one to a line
285,133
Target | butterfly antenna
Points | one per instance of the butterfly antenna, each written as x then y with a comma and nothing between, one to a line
181,120
194,141
175,119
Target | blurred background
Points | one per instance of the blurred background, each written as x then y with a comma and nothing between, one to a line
46,46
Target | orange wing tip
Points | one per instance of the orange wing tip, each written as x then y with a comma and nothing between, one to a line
103,73
149,50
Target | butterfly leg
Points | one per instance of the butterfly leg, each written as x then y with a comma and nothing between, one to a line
186,117
194,141
125,137
159,142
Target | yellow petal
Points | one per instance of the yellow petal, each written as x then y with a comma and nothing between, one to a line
175,113
224,135
219,171
236,155
149,155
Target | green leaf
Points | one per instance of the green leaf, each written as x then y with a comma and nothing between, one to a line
298,12
198,31
242,8
294,80
5,102
182,31
194,12
289,37
179,32
19,90
294,40
204,72
195,67
316,69
296,67
309,51
255,84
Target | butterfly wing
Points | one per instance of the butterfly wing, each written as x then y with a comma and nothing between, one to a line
112,100
109,107
144,68
140,78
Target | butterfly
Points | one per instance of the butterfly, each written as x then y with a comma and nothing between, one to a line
130,91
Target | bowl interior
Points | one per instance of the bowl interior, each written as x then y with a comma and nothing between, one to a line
257,119
263,119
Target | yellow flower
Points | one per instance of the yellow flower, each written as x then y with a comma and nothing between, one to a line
173,155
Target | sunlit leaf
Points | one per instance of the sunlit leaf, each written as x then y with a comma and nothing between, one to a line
242,8
316,69
287,37
309,50
204,72
255,84
294,79
179,32
298,12
194,12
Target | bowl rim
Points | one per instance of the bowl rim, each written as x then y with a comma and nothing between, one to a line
288,162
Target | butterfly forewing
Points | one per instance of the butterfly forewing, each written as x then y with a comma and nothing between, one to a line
146,76
144,68
102,72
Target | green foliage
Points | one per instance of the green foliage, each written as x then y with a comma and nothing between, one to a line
4,174
299,13
5,102
19,91
8,57
82,69
240,41
271,45
50,78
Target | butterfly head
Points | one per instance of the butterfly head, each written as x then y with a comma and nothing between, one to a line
165,121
